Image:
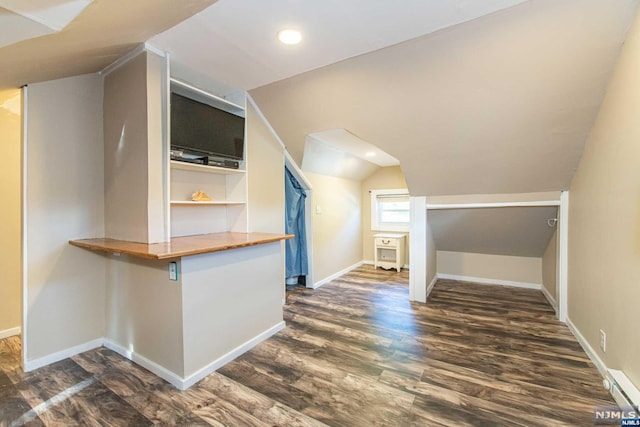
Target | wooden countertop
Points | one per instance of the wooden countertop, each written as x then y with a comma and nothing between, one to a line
181,246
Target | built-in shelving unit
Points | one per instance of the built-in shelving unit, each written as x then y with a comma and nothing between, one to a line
227,187
185,89
204,203
176,164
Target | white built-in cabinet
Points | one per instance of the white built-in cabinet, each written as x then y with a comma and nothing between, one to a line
227,187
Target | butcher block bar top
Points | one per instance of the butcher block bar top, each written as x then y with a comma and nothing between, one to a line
181,246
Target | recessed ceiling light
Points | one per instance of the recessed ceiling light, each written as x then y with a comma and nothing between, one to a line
289,36
370,153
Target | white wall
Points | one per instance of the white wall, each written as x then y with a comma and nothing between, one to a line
265,160
133,151
470,266
549,266
10,214
144,310
337,232
229,298
604,221
65,285
387,178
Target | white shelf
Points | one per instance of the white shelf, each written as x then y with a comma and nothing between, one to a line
204,203
175,164
190,91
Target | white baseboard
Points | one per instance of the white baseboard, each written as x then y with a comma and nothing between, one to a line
10,332
600,365
184,383
485,281
431,285
176,380
549,298
370,262
223,360
30,365
336,275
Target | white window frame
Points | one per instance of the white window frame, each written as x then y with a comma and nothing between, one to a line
375,223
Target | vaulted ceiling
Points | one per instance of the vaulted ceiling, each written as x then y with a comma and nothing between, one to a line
488,97
500,104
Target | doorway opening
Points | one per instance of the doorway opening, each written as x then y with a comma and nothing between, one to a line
298,221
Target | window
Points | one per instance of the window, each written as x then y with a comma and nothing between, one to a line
390,210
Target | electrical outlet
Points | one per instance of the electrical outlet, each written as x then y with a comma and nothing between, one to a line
603,340
173,270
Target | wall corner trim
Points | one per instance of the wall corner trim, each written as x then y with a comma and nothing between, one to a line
431,285
142,47
336,275
550,298
10,332
158,370
223,360
591,353
486,281
30,365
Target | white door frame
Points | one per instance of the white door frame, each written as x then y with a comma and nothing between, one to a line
418,272
308,212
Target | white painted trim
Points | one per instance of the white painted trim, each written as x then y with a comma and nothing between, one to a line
208,95
486,281
184,383
291,165
156,369
370,262
563,257
122,60
434,206
151,48
166,141
418,249
11,332
142,47
600,365
25,294
342,272
296,171
30,365
431,285
223,360
549,298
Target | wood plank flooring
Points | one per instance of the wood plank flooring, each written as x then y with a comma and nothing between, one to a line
355,352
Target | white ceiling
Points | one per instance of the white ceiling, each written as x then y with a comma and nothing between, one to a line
326,159
235,40
342,139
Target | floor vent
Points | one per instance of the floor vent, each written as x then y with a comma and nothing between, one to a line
622,389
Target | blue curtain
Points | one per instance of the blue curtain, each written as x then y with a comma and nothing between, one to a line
296,248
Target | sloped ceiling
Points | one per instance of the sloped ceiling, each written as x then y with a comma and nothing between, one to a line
103,32
235,40
516,231
501,104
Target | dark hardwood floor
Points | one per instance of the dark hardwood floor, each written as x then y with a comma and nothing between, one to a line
355,353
